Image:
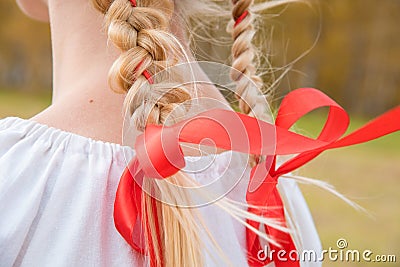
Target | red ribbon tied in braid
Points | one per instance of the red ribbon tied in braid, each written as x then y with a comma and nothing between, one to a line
158,155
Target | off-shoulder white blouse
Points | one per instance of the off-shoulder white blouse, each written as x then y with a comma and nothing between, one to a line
57,193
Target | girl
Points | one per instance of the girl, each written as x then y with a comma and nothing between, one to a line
60,170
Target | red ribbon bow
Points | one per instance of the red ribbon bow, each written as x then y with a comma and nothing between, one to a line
158,155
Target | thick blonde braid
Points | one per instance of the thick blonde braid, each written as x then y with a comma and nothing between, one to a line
141,32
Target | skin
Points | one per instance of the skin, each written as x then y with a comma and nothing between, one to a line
35,9
82,101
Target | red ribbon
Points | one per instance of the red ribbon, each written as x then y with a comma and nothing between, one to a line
241,18
158,155
145,73
133,3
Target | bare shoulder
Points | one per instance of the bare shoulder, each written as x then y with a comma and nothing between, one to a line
96,117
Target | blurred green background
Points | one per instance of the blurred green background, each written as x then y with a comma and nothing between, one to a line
355,60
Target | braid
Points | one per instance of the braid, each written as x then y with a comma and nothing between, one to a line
141,33
251,100
140,29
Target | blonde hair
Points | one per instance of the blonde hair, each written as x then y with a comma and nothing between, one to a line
142,33
251,99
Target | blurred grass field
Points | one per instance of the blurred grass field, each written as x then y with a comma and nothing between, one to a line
369,174
368,178
22,104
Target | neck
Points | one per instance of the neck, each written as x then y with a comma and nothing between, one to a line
83,103
82,56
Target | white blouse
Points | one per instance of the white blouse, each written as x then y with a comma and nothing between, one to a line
57,193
